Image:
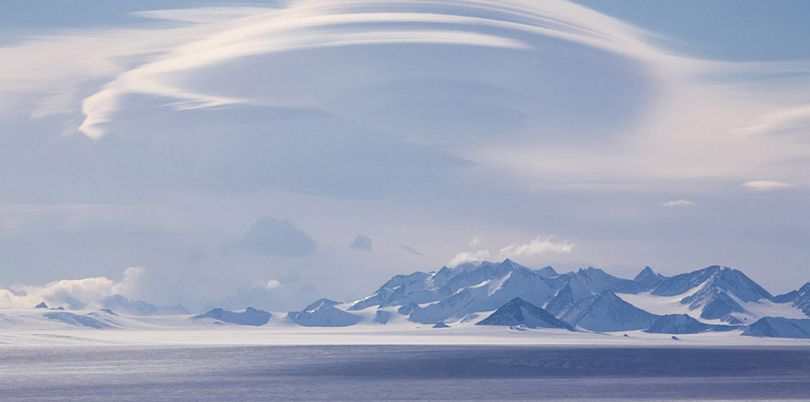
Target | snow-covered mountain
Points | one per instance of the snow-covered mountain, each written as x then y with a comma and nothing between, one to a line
778,327
124,305
720,293
520,312
799,299
89,320
587,283
454,294
250,316
648,279
715,298
606,312
683,324
716,295
323,313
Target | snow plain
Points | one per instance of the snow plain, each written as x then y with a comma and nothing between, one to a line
31,328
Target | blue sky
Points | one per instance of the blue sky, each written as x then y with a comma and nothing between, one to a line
270,153
743,30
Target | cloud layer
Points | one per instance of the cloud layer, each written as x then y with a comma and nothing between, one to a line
87,293
157,142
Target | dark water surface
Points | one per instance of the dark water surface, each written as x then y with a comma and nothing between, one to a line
402,372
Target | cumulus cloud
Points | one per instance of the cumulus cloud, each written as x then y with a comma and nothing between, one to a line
538,246
72,293
766,185
272,284
678,203
468,256
361,243
475,242
271,236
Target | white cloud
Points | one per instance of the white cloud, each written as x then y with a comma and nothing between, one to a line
797,117
130,282
302,25
475,242
72,293
468,256
272,284
538,246
766,185
674,139
678,203
158,58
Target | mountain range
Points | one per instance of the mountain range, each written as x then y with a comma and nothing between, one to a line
711,299
714,298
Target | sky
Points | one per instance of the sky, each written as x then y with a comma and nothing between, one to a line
269,153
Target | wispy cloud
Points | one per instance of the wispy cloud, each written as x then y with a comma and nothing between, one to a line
678,203
160,61
301,25
468,256
538,246
766,185
411,250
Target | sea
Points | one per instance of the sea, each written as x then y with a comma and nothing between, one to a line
379,373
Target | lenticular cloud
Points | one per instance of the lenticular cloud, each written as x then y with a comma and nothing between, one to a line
245,32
